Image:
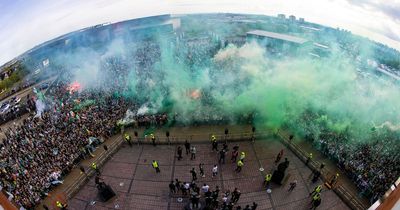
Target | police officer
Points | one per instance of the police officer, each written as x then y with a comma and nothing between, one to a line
239,166
153,139
267,180
61,205
317,190
316,201
309,158
242,156
156,166
214,143
95,168
128,139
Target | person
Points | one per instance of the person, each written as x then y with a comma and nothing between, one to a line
195,200
214,143
316,190
316,201
215,170
184,188
222,156
225,201
322,166
235,154
177,185
309,158
95,168
153,139
215,193
317,174
225,147
179,152
235,195
82,169
193,153
156,166
286,162
334,180
98,180
254,206
292,185
61,205
239,166
279,156
242,156
172,187
187,147
267,180
201,168
194,174
247,207
205,188
128,139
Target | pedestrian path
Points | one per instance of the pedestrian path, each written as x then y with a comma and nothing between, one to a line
130,174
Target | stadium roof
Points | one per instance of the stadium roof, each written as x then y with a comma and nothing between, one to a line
273,35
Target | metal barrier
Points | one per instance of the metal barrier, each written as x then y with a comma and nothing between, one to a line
340,190
102,158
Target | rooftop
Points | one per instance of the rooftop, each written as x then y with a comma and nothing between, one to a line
273,35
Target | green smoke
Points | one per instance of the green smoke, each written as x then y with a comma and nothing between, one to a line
298,92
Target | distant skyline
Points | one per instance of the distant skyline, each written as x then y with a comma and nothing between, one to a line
27,23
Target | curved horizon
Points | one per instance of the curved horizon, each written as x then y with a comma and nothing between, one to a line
46,20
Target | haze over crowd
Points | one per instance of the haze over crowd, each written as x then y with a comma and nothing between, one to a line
44,20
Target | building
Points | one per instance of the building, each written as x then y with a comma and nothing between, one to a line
279,43
301,20
292,18
281,16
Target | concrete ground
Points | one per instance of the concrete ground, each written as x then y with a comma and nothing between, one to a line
130,174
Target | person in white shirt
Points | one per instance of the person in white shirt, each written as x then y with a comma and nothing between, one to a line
205,188
215,170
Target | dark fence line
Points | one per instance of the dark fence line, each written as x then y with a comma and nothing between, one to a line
351,200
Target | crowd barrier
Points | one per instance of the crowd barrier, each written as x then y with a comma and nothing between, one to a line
351,200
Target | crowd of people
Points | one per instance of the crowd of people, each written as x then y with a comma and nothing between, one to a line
50,145
371,163
212,198
36,154
371,168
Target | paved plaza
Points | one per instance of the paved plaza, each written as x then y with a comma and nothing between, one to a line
130,174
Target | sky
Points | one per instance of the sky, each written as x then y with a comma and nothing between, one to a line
27,23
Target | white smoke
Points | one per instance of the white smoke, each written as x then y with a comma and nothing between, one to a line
389,125
40,106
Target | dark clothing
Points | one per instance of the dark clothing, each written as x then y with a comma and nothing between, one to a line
187,147
201,169
215,146
235,154
179,153
177,184
194,175
222,156
292,186
172,188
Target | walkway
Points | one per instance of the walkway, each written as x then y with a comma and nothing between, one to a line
130,174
